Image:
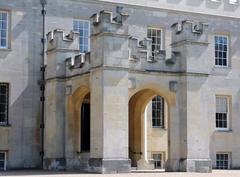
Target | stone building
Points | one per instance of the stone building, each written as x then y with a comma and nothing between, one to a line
128,85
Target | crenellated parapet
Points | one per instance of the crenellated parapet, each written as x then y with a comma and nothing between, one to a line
190,45
189,31
60,45
58,39
140,49
104,21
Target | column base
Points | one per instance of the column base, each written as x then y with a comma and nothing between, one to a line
172,165
142,164
54,164
99,165
196,165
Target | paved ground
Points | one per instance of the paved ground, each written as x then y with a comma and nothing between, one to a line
215,173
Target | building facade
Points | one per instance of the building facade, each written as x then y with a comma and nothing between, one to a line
128,85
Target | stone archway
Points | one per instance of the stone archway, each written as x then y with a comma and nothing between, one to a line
77,103
138,144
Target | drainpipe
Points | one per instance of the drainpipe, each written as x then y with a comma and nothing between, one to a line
42,82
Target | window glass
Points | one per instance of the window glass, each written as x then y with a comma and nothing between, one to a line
222,112
221,50
156,36
2,161
158,160
83,27
158,112
3,103
222,160
3,29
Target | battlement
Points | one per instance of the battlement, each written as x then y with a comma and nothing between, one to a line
189,31
78,61
105,22
58,39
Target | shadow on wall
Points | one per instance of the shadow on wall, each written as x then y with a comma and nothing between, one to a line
23,73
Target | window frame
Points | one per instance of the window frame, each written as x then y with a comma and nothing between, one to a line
6,122
5,160
162,113
7,29
233,3
89,32
228,113
228,64
161,36
228,159
162,160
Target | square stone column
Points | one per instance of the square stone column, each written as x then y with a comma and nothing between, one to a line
190,39
109,121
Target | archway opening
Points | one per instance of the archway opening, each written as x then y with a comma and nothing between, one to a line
148,135
85,124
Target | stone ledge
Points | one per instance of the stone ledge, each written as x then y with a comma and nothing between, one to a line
99,165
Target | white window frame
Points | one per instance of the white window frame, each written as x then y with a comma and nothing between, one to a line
159,29
162,114
7,30
228,160
89,32
227,54
162,160
228,113
234,2
5,160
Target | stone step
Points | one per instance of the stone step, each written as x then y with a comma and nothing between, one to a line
135,170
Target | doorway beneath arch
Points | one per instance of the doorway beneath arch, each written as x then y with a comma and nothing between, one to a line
85,124
148,130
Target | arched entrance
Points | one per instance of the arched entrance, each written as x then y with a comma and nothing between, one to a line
85,124
148,126
79,121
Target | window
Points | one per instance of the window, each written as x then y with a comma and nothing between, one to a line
222,112
158,160
221,51
156,35
3,29
223,160
233,1
4,93
158,112
2,161
83,27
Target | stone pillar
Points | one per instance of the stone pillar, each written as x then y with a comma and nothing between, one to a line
144,163
191,40
109,95
60,46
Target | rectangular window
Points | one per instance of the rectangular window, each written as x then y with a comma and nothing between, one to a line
2,161
222,112
3,29
156,35
4,95
83,27
158,112
223,160
221,51
158,160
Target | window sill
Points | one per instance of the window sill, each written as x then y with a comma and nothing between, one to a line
223,131
5,125
220,70
234,3
6,49
159,128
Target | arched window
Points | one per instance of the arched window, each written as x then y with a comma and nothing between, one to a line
158,112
